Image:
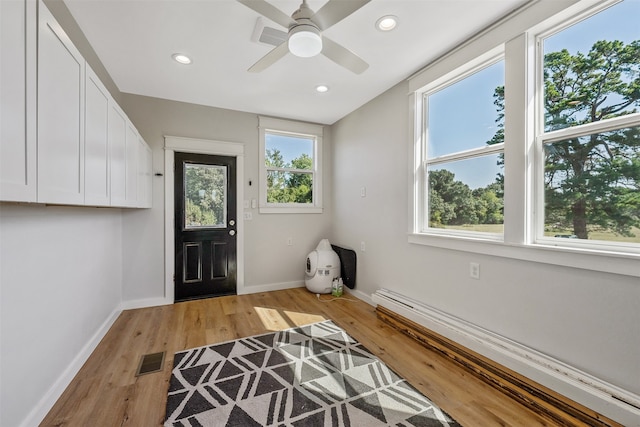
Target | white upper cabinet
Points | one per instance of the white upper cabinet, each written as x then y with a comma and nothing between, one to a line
131,175
18,100
96,141
60,114
118,154
145,163
63,139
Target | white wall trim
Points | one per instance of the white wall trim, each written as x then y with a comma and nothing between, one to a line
200,146
144,303
271,287
567,380
52,395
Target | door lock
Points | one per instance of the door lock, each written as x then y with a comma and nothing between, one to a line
232,222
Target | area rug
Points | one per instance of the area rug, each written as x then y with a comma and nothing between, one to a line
313,375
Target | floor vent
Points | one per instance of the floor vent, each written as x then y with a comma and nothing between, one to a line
150,363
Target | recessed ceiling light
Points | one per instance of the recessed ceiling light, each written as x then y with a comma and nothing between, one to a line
322,88
181,58
387,23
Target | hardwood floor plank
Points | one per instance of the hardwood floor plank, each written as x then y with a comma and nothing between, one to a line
106,391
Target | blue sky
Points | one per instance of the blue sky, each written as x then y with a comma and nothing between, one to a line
290,147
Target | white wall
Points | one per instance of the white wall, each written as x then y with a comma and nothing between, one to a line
589,320
60,276
269,262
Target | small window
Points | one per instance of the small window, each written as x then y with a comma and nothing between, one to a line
589,137
290,164
463,128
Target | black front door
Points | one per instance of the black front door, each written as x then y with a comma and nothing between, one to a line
205,227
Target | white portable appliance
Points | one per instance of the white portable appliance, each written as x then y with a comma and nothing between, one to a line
323,265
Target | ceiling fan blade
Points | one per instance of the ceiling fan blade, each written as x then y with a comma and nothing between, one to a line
343,56
269,11
335,11
270,58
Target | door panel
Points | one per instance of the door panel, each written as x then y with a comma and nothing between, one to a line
205,226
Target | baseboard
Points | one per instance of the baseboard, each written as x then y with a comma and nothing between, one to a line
45,404
144,303
270,287
563,393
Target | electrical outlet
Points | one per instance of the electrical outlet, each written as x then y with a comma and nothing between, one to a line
248,216
474,270
290,241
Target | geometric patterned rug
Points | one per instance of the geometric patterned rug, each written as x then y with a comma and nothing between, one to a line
312,375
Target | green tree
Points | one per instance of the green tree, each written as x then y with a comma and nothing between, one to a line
594,180
451,202
289,186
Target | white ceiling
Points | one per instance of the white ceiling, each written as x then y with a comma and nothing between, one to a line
136,38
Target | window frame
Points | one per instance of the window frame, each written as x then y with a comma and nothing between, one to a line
482,62
268,125
519,34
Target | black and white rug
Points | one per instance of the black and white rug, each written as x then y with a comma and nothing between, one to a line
313,375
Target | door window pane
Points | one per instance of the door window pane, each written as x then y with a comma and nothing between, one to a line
205,196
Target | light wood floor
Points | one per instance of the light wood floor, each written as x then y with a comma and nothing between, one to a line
106,391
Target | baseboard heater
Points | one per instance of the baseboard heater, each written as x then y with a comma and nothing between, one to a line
434,330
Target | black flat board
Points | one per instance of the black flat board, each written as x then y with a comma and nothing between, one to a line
347,265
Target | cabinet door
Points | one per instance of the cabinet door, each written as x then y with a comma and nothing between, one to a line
96,141
132,144
144,175
18,100
118,154
60,114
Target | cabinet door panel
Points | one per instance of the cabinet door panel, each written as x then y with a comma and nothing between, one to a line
118,158
96,143
60,115
132,165
18,101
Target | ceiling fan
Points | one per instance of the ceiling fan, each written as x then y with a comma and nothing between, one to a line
304,37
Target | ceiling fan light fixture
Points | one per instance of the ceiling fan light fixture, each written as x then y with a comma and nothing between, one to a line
305,41
387,23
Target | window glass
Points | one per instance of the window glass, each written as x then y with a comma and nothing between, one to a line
205,196
592,177
592,186
464,190
467,195
287,158
587,72
463,116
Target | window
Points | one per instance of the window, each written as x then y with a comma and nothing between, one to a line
290,167
463,158
558,140
589,131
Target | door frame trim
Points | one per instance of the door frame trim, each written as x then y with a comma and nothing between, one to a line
199,146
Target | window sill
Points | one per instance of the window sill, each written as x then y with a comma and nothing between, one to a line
608,262
290,210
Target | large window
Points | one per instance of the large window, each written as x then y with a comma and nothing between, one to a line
463,159
541,153
290,163
589,130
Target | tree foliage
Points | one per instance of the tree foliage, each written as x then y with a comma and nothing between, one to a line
204,194
452,202
293,185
